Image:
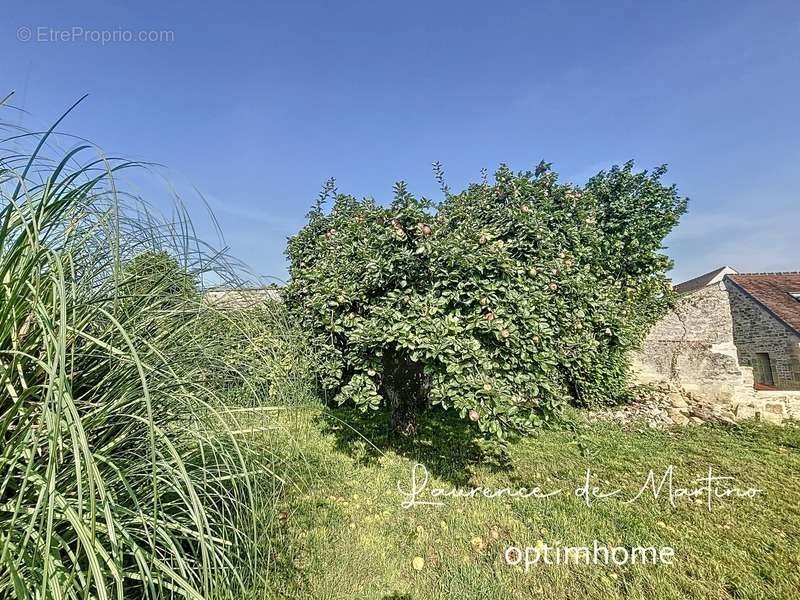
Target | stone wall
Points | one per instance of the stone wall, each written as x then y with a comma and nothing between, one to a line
692,347
756,330
700,316
773,407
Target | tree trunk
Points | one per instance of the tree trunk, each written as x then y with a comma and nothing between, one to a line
405,389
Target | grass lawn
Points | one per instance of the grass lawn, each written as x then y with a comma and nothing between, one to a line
345,535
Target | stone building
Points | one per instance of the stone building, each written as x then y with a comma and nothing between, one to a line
766,326
733,339
241,298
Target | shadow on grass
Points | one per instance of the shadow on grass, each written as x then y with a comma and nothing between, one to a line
446,445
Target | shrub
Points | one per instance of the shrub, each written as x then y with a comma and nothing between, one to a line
157,272
503,302
256,355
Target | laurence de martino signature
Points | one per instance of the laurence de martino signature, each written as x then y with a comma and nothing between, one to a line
709,487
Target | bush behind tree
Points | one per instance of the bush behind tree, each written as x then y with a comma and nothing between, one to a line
257,356
504,302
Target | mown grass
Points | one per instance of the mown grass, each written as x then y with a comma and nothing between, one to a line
348,537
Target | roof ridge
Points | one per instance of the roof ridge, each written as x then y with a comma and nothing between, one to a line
766,273
704,280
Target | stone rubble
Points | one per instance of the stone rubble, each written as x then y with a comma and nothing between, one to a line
662,406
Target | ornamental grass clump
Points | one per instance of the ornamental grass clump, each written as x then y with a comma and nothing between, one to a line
504,302
119,476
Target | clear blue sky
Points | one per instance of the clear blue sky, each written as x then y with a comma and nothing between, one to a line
256,104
